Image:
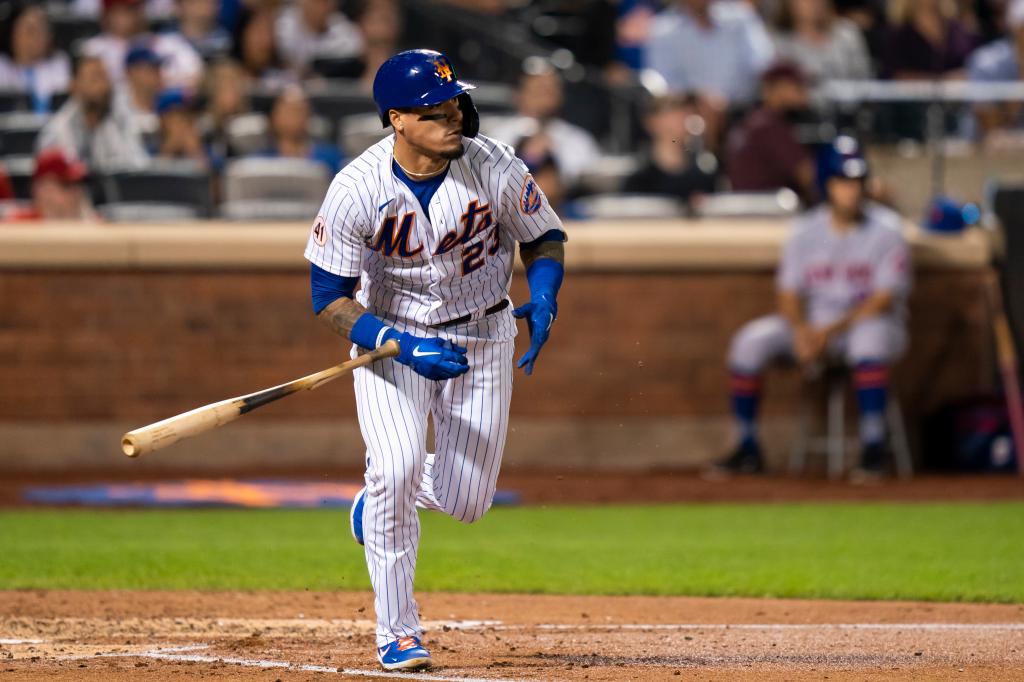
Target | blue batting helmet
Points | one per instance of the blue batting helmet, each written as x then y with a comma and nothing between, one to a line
844,158
421,78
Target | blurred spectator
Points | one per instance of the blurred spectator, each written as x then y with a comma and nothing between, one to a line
544,168
714,49
254,46
380,25
824,45
197,23
6,188
998,62
124,26
225,99
672,166
58,190
870,17
539,101
632,30
28,61
763,152
315,28
179,134
137,96
927,40
88,128
154,9
289,131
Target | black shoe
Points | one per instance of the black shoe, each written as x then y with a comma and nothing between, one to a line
745,459
874,464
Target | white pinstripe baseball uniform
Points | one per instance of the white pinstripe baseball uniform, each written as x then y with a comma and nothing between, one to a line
418,272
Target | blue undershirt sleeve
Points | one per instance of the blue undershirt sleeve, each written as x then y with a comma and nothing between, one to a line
326,287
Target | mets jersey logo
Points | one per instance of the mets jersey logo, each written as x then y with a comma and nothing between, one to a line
389,240
443,71
529,197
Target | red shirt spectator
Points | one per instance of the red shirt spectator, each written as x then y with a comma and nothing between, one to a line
58,190
763,153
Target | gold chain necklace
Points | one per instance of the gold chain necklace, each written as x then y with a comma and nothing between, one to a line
421,175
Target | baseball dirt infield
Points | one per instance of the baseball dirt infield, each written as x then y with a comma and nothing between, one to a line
307,635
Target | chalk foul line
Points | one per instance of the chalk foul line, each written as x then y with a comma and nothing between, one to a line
183,654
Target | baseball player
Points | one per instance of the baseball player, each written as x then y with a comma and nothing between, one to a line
426,223
842,286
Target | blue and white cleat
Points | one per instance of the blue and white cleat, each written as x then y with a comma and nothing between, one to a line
355,515
405,654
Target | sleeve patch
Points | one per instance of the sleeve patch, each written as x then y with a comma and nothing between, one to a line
530,196
320,231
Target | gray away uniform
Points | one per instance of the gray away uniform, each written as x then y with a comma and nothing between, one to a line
833,272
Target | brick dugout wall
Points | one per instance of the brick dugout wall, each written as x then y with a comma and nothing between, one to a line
633,376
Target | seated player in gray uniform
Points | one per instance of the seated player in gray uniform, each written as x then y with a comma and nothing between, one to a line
842,287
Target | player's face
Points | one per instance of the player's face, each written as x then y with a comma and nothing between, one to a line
845,195
434,131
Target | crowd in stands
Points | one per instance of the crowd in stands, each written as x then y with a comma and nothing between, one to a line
104,86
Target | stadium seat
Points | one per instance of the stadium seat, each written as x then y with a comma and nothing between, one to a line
14,100
247,134
269,210
69,28
608,174
778,204
19,170
339,67
18,132
630,207
167,183
58,100
147,212
273,188
357,133
337,99
493,98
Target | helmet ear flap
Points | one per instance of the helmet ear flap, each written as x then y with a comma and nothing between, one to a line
470,116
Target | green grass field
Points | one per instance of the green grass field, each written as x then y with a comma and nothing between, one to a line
970,552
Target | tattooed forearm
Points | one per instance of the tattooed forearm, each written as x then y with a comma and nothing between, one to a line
341,315
551,249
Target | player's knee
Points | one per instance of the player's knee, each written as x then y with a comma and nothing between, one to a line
874,340
749,347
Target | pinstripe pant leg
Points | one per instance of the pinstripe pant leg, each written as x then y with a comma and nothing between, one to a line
471,424
392,403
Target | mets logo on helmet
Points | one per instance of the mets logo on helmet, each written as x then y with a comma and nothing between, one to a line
444,71
530,196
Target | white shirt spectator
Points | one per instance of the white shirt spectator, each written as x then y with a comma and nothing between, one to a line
114,144
299,46
843,56
575,150
42,80
182,66
146,122
724,60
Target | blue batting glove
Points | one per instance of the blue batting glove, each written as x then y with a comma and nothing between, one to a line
540,314
432,358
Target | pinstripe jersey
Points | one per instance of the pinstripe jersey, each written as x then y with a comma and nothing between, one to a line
421,270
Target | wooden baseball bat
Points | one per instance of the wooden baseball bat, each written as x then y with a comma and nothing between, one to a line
171,430
1006,357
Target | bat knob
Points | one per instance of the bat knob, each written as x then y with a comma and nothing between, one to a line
129,447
